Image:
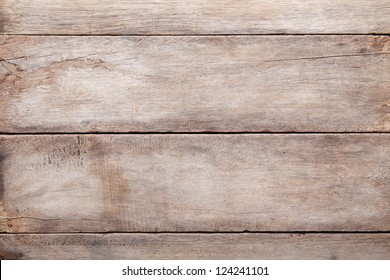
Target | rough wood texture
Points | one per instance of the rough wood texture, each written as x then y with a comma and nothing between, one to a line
239,83
195,246
194,17
213,183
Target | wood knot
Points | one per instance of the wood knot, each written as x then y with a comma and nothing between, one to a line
386,105
9,223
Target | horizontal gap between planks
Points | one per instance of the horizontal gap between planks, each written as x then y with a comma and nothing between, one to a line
196,35
188,133
199,232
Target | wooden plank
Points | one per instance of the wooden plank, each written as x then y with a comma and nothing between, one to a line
195,246
194,17
191,183
226,84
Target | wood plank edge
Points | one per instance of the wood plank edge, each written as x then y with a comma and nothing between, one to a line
196,246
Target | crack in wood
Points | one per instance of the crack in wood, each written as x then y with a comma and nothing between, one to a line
326,57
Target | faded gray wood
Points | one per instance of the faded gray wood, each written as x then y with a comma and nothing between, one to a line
194,17
239,83
187,183
195,246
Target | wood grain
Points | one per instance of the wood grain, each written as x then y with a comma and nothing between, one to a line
191,183
195,246
192,84
194,17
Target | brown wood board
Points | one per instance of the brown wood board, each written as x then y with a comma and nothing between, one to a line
194,17
195,183
194,129
195,84
195,246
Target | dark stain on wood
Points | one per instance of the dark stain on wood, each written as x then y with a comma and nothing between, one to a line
8,255
2,159
3,19
115,186
363,50
5,224
1,24
381,44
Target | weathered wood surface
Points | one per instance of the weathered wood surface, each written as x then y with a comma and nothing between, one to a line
195,246
194,17
239,83
181,183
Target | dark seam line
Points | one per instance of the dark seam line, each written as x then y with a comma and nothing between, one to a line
201,232
189,133
194,34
